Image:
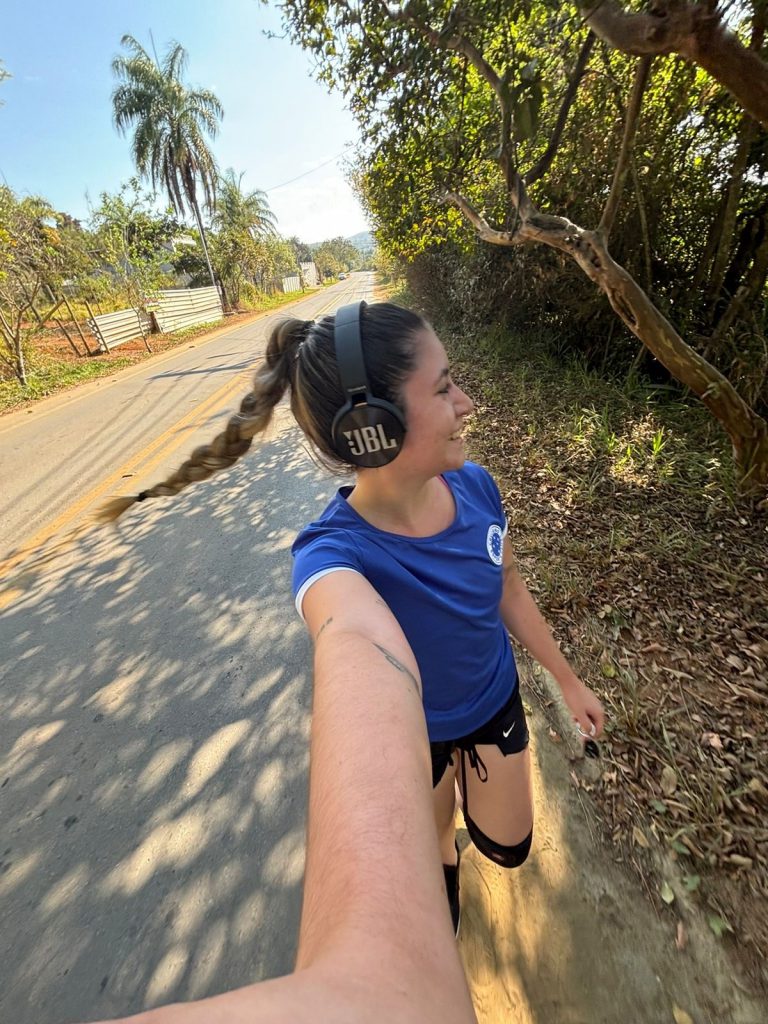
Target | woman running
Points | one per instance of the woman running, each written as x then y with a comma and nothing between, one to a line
412,562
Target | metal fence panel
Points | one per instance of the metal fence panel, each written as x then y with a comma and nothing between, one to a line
309,270
112,329
177,308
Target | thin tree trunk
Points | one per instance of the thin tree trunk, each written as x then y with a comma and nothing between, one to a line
621,170
643,227
731,205
31,301
747,135
750,239
707,253
12,337
542,164
743,296
21,367
201,229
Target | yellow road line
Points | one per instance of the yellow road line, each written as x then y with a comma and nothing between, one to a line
183,436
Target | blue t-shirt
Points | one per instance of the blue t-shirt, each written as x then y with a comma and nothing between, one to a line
444,591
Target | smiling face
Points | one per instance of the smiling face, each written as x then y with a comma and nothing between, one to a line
435,410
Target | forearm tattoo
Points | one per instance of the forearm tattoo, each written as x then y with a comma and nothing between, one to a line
399,666
327,622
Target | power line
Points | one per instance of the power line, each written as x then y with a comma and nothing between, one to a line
311,171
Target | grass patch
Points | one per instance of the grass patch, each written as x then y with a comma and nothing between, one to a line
174,337
47,376
595,433
266,302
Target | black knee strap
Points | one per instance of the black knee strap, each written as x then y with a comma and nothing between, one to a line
504,856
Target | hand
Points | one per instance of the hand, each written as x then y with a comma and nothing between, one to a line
586,709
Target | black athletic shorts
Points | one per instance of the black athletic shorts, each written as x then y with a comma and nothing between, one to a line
507,730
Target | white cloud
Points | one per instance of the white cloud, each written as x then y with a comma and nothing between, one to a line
318,207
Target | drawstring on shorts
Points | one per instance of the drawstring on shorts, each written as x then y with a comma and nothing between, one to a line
476,762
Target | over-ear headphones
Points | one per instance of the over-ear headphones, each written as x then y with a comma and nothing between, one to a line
367,431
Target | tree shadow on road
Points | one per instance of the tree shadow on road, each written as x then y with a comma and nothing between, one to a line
154,710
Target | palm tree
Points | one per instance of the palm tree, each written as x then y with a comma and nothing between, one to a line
244,222
170,122
242,211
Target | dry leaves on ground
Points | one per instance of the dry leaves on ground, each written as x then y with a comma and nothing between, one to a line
657,594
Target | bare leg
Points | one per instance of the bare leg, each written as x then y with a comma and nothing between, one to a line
502,806
444,803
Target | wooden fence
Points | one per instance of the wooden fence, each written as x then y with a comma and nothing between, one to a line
177,308
291,284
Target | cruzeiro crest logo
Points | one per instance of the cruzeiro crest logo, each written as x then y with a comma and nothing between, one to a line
494,544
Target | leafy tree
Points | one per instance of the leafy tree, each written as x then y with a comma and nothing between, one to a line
302,254
30,258
242,211
327,261
466,105
302,250
188,260
133,241
237,257
170,122
245,263
277,260
242,221
336,255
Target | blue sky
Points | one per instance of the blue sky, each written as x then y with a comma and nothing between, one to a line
56,133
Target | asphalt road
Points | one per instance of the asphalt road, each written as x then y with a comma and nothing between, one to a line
154,694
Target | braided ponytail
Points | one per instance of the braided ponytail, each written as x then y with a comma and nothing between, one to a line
275,375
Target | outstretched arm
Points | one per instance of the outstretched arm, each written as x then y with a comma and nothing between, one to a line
376,941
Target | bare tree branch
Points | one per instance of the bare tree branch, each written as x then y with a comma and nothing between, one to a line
695,32
6,327
747,430
630,131
656,31
481,225
541,166
30,302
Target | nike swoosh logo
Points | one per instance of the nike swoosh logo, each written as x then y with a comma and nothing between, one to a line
505,732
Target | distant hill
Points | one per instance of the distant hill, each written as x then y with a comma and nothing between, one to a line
363,240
